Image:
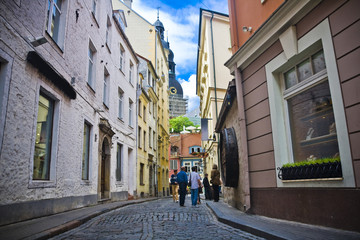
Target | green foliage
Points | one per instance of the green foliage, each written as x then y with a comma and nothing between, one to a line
178,123
312,162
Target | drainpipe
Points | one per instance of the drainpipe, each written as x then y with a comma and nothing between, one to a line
243,148
216,107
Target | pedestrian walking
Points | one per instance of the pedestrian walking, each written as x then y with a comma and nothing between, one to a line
215,181
182,181
195,184
207,187
174,186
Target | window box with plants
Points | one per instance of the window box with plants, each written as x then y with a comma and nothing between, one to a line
325,168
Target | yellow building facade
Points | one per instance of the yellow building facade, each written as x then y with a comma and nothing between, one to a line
146,41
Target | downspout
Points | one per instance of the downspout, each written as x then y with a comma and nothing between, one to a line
216,107
213,56
156,190
243,148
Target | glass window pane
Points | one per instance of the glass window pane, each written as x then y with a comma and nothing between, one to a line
85,157
290,78
312,124
318,61
304,70
42,153
118,163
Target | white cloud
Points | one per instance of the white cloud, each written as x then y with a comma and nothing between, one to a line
189,88
182,27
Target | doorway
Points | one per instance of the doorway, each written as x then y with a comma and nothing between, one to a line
105,170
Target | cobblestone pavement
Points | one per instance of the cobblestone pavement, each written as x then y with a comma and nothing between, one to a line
161,219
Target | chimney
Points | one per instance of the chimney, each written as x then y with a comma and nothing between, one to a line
128,3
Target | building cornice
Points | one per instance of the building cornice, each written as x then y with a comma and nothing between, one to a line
289,13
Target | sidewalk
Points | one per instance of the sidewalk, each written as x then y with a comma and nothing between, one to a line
48,226
271,228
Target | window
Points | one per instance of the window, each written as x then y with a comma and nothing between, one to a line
144,110
121,103
306,107
106,88
130,112
43,141
187,166
55,21
93,10
139,137
154,140
144,140
131,69
149,78
122,58
173,164
311,116
150,138
91,70
139,110
118,162
142,174
86,152
108,33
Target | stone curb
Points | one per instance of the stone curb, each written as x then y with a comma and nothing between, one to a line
244,227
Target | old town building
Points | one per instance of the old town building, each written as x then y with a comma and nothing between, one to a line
212,77
147,42
294,100
68,103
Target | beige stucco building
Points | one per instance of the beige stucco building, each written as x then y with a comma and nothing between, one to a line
147,126
146,40
212,76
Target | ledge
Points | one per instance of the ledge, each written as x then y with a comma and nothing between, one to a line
313,180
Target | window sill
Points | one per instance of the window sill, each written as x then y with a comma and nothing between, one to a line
54,42
313,180
42,184
92,90
121,119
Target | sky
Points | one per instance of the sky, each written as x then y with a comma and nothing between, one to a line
181,22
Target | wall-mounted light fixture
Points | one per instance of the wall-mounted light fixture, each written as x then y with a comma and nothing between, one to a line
38,41
247,29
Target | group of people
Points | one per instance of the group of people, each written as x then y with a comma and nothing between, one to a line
179,183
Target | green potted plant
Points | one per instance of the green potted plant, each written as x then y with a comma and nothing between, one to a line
313,169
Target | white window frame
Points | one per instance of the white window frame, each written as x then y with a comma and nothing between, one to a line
122,58
54,146
89,152
91,61
131,103
108,33
131,70
278,111
121,104
106,92
5,75
58,37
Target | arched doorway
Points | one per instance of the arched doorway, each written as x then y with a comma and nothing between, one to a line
104,173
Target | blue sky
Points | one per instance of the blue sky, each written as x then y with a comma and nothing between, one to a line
181,22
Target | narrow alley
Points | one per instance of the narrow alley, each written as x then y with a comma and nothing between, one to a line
160,219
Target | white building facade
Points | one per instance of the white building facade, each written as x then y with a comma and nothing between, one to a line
68,107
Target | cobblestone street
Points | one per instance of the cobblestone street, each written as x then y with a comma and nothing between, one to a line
161,219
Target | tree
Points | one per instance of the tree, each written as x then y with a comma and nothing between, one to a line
178,123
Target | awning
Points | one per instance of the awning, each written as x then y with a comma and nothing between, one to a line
50,72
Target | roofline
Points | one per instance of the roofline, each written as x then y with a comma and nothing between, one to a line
198,45
151,65
122,33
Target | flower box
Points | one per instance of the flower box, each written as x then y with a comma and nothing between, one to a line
311,171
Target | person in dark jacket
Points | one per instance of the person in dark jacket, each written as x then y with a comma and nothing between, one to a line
207,187
215,180
174,186
182,181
